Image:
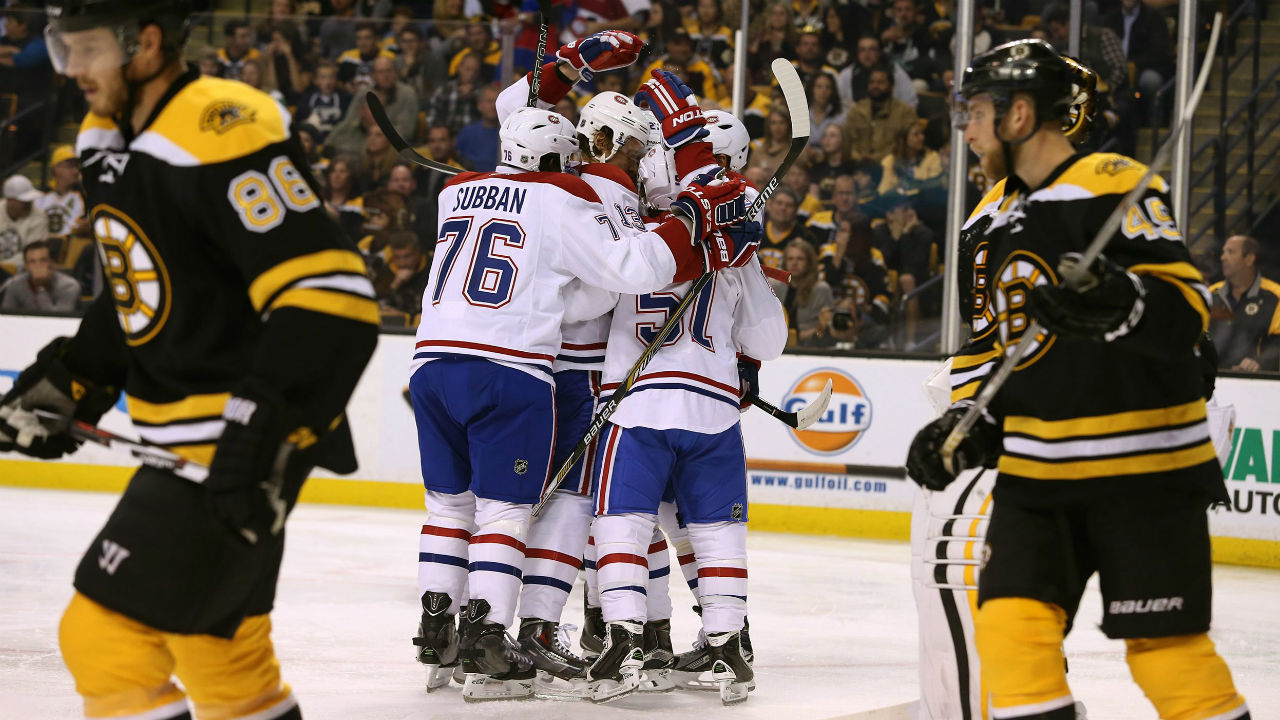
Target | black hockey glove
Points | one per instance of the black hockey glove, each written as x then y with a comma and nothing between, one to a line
247,477
748,380
1106,304
49,385
981,447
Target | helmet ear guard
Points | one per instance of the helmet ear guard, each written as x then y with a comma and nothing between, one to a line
1084,102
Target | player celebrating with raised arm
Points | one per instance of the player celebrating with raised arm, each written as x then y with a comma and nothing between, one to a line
481,382
1085,480
228,284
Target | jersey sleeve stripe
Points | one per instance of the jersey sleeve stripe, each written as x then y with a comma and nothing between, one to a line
1106,424
966,361
1187,279
277,278
193,406
964,392
1142,464
329,302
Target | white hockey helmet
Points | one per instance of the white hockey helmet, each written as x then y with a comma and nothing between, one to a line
616,112
728,137
528,134
657,174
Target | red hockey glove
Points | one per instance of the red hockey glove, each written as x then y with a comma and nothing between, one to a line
606,50
675,106
736,243
712,206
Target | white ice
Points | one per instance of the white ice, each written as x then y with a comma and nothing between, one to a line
832,621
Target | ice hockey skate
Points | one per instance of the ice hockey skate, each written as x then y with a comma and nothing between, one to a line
616,673
659,658
729,666
437,640
693,668
495,666
592,639
561,674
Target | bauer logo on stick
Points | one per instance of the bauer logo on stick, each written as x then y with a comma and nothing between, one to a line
846,419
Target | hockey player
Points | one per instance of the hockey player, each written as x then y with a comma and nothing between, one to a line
1076,469
228,284
481,380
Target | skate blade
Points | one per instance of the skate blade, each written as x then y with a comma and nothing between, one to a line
438,676
549,687
656,681
603,691
482,688
686,680
733,692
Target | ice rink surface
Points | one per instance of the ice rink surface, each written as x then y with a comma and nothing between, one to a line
832,621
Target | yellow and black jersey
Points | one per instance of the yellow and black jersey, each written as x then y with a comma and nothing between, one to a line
355,68
715,45
1082,417
221,266
231,69
1246,327
702,79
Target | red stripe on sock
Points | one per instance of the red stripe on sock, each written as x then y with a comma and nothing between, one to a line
686,559
591,539
722,572
499,539
458,533
622,558
540,554
659,546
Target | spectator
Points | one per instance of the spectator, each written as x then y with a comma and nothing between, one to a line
440,147
594,15
20,225
834,163
839,32
400,281
768,151
1144,37
825,108
906,41
237,49
341,195
771,36
401,18
377,159
284,16
801,183
384,212
40,287
324,104
808,62
478,141
1245,317
712,39
823,225
480,45
866,179
908,249
454,103
411,61
207,62
696,72
808,300
1100,48
355,66
781,226
856,272
63,205
253,75
852,81
25,72
873,122
284,72
911,168
399,100
807,13
309,139
338,32
422,209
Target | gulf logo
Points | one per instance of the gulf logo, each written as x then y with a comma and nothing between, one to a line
847,417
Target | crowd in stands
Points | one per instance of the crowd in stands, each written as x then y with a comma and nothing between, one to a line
859,221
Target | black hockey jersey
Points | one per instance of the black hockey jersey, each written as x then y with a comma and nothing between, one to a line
1083,417
221,265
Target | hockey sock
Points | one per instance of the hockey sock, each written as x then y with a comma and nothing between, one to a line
622,567
678,535
552,555
497,556
1185,678
1020,644
442,546
658,599
590,577
721,549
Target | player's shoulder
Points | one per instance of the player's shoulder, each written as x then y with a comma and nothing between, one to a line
1096,175
594,173
212,120
989,202
571,184
98,133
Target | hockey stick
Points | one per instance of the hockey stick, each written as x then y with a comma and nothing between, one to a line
535,77
151,455
802,418
798,106
379,114
1072,279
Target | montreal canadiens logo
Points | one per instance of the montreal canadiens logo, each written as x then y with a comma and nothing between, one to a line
847,417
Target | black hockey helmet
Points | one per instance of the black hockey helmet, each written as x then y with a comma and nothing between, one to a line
1029,66
123,17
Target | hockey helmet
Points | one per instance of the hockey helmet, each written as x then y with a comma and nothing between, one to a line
1028,66
529,135
123,18
729,137
1084,101
658,181
615,112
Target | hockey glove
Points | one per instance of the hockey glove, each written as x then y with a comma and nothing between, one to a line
675,106
247,477
735,244
981,447
1106,304
711,207
49,385
606,50
748,380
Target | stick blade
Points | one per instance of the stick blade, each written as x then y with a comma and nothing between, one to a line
809,414
793,93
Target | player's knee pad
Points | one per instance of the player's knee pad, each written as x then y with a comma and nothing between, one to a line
658,599
236,678
1020,644
622,565
721,551
120,666
496,557
553,555
443,546
1184,678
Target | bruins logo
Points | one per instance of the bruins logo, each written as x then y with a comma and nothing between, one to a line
1021,273
222,115
138,279
1113,165
59,217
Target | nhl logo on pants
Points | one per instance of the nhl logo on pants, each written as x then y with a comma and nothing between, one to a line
522,467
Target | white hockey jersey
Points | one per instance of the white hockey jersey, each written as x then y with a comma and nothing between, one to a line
692,382
510,244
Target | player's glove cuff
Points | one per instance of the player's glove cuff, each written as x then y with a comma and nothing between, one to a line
49,385
1106,304
980,448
